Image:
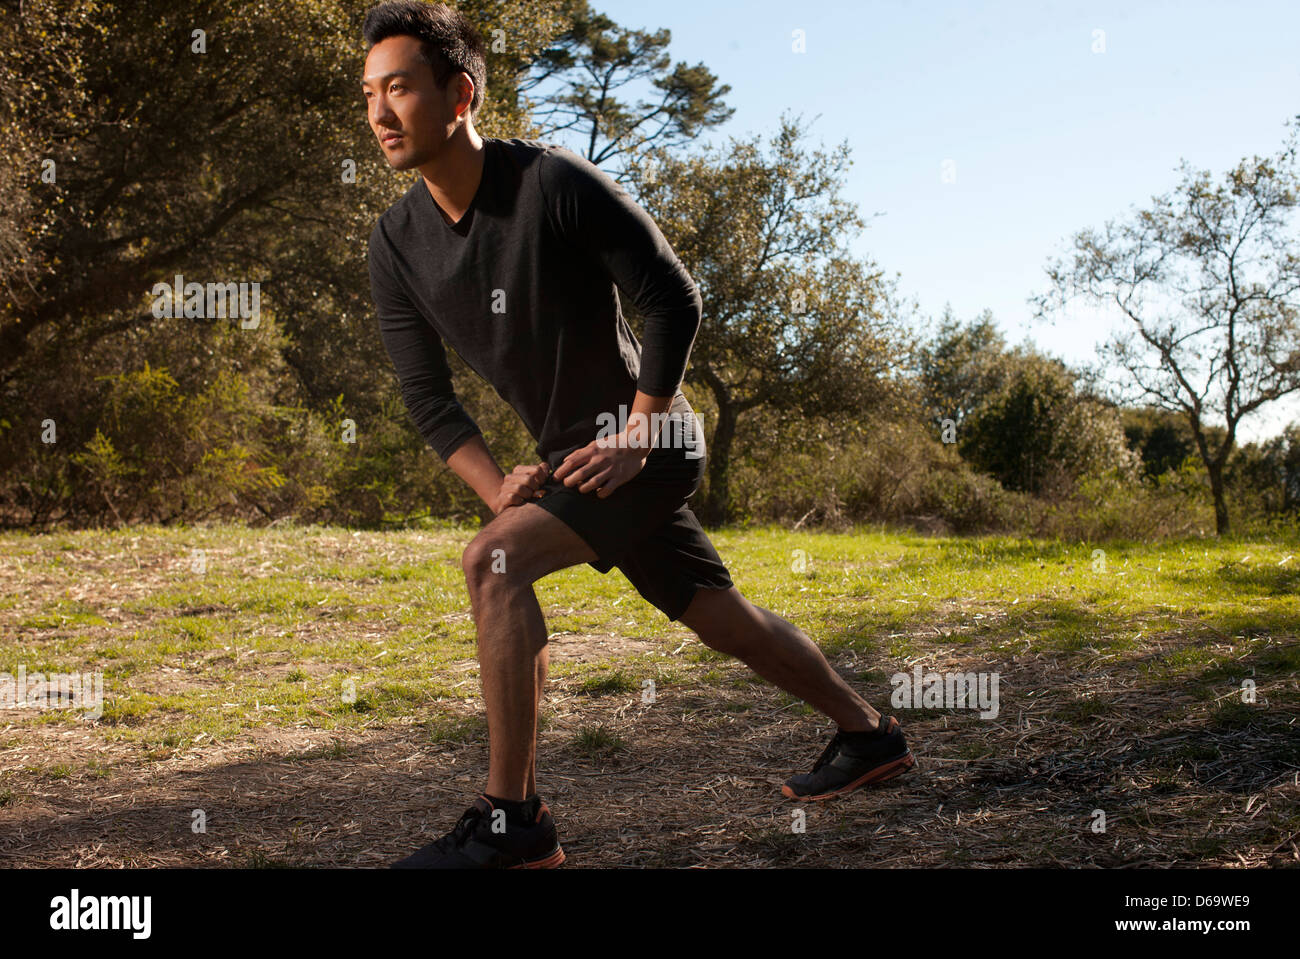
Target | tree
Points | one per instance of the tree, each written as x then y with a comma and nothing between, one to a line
1035,426
1206,280
791,321
254,157
1270,470
249,161
1161,437
957,366
593,61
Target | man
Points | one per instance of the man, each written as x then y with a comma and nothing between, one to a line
510,251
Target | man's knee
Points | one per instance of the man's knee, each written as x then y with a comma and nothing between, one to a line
487,562
519,547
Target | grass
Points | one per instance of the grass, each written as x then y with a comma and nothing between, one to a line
345,635
606,683
598,740
456,729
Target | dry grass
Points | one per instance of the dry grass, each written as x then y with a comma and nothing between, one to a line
1185,773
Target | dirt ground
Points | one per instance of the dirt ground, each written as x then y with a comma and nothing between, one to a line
697,784
690,780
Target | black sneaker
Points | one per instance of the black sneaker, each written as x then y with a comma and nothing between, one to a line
846,764
472,844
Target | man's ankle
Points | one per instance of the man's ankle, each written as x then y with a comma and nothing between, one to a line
516,810
867,725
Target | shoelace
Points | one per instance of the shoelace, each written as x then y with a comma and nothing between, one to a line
466,825
829,753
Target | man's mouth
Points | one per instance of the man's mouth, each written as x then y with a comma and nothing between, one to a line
389,138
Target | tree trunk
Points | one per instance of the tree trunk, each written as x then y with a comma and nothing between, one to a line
717,507
1214,467
1220,503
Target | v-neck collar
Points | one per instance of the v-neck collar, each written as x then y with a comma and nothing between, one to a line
462,226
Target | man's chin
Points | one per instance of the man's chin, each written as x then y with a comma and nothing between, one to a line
403,160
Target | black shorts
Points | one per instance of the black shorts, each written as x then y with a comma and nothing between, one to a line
645,527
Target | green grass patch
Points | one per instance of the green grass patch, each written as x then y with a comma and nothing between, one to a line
615,681
598,740
457,729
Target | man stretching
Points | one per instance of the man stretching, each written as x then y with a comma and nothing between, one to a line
510,251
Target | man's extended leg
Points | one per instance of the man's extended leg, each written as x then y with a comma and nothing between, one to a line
518,547
867,748
778,651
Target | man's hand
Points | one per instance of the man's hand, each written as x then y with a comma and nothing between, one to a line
521,486
603,465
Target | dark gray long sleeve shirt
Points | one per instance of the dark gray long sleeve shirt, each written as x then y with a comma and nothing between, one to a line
525,289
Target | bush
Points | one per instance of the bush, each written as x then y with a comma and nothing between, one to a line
1264,478
1112,505
895,470
1036,430
967,502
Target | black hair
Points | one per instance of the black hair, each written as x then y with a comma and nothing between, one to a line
448,41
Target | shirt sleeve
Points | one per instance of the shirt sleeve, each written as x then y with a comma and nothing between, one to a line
418,359
594,214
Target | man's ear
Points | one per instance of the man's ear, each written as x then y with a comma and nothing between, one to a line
464,87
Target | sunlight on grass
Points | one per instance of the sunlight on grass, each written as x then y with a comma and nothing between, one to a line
203,634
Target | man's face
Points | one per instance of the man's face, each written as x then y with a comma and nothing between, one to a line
411,117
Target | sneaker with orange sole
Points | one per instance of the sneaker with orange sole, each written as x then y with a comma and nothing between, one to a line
482,840
854,760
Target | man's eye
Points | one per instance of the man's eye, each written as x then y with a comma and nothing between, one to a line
397,86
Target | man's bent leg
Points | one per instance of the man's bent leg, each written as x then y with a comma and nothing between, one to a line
778,651
518,547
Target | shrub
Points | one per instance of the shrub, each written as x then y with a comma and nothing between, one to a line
967,502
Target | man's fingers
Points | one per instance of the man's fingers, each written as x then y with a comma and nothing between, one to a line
596,481
582,474
570,472
523,492
573,460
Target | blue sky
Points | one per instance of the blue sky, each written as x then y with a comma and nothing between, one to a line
1046,136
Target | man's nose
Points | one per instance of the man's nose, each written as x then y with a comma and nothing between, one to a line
380,111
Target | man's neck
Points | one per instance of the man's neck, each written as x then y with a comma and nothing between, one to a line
452,178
